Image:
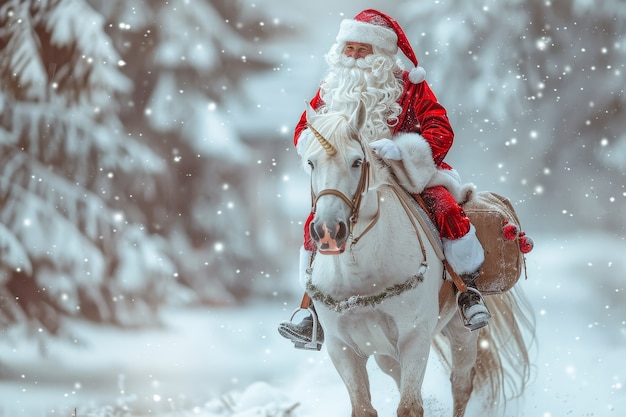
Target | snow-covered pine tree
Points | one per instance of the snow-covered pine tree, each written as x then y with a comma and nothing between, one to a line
71,241
190,60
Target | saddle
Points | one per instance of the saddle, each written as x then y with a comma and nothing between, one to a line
498,230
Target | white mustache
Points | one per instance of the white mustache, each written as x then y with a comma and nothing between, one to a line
362,63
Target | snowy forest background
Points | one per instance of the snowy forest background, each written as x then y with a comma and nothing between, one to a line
146,161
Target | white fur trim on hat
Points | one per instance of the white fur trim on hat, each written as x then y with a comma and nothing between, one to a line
356,31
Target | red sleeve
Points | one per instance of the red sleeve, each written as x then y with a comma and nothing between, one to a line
309,243
423,114
316,102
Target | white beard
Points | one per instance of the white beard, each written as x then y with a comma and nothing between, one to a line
373,80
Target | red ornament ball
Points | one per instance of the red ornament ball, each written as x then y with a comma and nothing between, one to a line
509,231
526,244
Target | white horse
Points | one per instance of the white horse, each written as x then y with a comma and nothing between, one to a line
376,281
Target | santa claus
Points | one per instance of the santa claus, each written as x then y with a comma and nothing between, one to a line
406,126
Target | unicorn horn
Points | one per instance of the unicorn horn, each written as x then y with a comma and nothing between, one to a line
328,147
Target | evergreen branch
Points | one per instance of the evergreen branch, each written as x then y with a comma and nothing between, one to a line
20,59
13,254
53,134
56,199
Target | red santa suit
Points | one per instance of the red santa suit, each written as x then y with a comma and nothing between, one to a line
423,116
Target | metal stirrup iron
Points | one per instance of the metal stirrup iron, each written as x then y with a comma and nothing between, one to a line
462,288
314,344
467,321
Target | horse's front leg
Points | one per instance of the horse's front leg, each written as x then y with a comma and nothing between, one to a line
352,369
413,359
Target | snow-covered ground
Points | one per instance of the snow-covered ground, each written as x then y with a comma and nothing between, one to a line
232,361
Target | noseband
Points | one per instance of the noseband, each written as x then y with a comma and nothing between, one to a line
353,203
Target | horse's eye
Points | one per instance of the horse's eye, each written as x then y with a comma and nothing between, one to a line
357,163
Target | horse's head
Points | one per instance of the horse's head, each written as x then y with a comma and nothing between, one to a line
339,166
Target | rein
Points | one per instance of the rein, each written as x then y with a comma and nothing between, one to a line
411,211
414,215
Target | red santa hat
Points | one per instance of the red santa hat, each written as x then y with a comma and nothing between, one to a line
377,29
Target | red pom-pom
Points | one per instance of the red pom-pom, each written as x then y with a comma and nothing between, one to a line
509,231
526,244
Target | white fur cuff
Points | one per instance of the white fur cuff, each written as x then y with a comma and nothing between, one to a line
451,180
417,166
465,254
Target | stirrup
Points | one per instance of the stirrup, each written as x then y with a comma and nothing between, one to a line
467,320
314,344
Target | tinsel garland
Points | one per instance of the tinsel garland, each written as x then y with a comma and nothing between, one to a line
355,301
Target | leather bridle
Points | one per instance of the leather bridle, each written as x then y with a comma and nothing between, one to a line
353,203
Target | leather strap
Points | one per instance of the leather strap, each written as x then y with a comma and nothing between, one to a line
306,301
444,293
458,281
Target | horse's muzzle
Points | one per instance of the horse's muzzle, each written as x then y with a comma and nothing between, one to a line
329,240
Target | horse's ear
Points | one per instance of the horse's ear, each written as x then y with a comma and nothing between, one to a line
310,112
358,117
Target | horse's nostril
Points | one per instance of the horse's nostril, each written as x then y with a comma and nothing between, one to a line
314,234
342,231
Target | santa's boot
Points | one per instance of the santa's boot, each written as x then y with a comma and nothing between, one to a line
471,305
308,333
466,255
